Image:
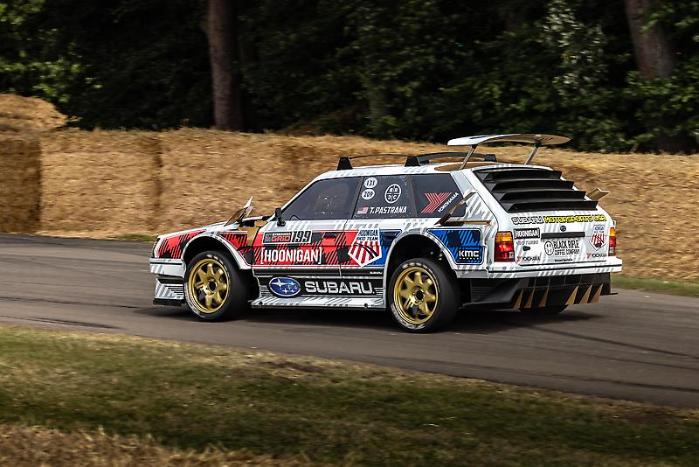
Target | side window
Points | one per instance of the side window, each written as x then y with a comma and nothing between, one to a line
385,197
435,194
325,199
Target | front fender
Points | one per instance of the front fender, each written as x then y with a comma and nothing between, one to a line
219,238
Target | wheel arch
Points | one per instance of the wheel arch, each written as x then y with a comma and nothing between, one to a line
413,245
208,241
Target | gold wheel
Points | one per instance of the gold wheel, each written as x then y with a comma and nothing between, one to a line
208,285
415,295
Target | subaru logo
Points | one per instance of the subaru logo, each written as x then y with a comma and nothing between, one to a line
284,287
563,228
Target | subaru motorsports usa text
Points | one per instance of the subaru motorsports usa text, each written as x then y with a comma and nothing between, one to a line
422,238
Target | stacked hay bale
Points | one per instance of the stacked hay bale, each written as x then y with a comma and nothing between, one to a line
206,175
99,183
22,120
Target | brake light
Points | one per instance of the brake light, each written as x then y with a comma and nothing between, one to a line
504,247
612,241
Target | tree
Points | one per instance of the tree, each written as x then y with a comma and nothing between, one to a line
654,55
221,31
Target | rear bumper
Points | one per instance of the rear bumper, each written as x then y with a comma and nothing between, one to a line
538,292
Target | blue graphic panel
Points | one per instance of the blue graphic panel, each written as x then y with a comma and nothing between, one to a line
464,245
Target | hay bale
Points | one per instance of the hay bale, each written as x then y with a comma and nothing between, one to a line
100,182
20,190
206,175
19,113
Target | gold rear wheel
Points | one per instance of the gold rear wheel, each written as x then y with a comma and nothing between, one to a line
416,295
208,285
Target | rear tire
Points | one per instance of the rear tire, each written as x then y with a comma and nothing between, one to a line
213,288
422,296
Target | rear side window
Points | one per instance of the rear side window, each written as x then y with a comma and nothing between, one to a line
325,200
385,197
435,194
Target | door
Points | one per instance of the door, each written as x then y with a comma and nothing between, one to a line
309,242
384,208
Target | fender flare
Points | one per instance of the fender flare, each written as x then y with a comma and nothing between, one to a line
235,254
412,233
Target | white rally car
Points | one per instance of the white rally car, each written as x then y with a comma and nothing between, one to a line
422,238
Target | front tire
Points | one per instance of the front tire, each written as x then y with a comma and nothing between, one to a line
213,288
422,296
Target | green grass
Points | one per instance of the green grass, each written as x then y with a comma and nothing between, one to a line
191,396
687,289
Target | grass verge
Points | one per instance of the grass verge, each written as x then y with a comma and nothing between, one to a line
192,397
686,289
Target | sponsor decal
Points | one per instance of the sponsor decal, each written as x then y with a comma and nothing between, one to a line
277,237
559,219
533,232
435,200
299,236
284,287
366,247
392,193
363,210
368,194
370,182
338,287
529,259
562,247
599,236
468,255
597,255
383,210
292,256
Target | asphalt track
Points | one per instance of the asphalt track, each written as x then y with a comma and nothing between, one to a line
634,345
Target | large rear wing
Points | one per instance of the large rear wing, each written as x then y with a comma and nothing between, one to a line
523,138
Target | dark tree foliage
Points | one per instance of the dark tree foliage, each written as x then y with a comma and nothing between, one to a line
414,69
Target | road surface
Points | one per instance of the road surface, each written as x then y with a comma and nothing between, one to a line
634,345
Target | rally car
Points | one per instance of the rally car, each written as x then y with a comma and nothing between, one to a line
424,238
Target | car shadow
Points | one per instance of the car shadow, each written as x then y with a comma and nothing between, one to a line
467,321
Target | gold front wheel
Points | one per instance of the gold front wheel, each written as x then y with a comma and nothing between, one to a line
416,295
208,285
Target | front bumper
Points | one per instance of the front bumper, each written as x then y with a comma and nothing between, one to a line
169,282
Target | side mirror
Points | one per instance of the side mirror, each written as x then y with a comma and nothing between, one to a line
278,216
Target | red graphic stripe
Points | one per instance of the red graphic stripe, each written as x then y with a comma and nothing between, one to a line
435,200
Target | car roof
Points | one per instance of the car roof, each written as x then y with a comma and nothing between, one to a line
396,169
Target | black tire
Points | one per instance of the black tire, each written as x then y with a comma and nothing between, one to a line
550,310
412,318
209,282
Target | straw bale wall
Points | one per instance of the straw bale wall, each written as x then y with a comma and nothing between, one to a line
109,183
99,183
20,182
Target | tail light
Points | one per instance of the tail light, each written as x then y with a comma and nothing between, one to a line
504,247
612,241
